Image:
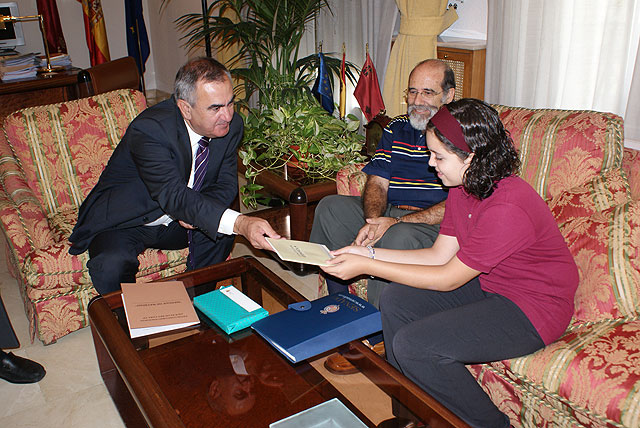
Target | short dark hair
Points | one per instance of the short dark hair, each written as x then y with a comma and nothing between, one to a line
495,156
203,68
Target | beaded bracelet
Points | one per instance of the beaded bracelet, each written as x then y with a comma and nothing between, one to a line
372,252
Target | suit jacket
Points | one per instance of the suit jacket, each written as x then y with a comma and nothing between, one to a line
147,177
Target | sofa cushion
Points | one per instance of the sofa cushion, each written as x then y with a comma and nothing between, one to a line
62,148
606,248
587,378
561,149
603,191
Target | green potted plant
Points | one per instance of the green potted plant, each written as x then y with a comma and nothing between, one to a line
300,140
286,126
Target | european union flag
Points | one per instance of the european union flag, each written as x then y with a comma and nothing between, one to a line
137,39
322,88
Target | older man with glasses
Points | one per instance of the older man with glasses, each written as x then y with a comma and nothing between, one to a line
403,200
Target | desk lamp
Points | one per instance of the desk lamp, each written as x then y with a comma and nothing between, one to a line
49,70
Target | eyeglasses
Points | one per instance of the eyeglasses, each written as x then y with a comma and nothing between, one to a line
412,93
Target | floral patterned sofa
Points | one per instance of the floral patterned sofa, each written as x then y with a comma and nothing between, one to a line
590,377
50,158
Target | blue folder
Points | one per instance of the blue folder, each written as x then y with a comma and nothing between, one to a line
225,312
308,329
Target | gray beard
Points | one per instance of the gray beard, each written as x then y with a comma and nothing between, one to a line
418,121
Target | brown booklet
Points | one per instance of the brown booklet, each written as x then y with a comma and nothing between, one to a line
155,307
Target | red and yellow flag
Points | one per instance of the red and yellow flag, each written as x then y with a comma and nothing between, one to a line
343,85
95,31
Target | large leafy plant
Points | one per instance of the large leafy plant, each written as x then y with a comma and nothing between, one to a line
299,139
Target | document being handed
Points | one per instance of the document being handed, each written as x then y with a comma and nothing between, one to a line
300,251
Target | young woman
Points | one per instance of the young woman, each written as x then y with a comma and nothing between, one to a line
498,282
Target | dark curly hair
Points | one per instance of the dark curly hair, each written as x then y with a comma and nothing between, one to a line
495,156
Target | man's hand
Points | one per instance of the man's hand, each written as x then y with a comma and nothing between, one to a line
254,229
186,225
375,228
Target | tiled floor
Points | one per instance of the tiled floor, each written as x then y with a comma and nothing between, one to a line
72,394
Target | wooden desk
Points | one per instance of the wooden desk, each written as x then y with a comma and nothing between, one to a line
18,94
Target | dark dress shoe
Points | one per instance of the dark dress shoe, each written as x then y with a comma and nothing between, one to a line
16,369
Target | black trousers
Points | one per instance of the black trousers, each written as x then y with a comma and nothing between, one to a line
430,336
113,255
8,337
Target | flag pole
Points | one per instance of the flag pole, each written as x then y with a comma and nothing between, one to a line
343,85
144,88
205,27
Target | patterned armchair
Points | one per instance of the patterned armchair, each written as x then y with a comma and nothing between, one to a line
590,376
50,158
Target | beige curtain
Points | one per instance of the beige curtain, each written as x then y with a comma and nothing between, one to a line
420,23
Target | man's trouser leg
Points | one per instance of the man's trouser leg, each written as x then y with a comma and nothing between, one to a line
207,251
336,223
113,254
401,236
337,220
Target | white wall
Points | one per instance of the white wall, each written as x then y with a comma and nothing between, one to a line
167,53
472,20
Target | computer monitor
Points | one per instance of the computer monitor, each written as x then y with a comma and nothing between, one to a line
12,35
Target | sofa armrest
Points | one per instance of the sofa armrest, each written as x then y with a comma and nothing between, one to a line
631,167
24,223
22,218
350,180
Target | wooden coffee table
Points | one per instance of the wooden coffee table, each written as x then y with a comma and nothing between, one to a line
204,378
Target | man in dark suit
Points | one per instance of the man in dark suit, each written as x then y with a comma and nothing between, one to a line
169,183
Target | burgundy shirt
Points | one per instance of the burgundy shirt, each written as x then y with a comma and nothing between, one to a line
513,239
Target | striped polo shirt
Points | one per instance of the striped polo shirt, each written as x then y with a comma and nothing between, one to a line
403,159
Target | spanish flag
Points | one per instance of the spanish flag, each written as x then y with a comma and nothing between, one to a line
95,31
343,85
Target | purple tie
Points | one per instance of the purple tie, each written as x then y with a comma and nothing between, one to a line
202,160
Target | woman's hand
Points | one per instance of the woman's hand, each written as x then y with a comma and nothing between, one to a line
348,262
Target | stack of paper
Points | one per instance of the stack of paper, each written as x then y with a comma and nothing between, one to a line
18,67
57,60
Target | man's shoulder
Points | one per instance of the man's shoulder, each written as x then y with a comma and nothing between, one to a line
398,122
163,108
163,115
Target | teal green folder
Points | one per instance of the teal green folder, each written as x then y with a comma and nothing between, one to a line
229,308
